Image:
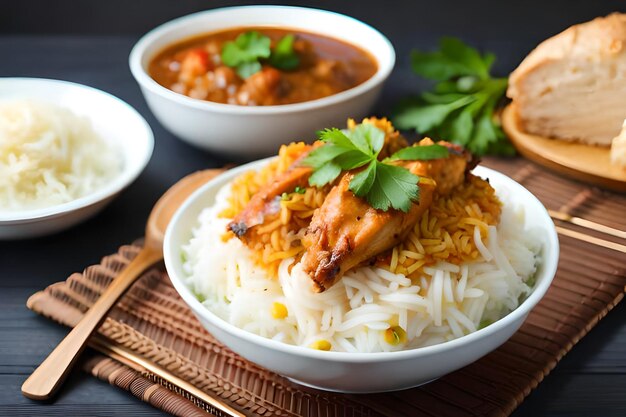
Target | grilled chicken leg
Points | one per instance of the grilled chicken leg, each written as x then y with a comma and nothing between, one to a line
266,201
346,230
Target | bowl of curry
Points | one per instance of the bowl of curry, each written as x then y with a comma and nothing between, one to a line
244,80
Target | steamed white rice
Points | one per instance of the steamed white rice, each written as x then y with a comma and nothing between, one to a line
50,156
447,302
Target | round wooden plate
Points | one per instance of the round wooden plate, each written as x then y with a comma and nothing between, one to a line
587,163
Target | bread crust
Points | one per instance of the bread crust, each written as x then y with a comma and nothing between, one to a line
555,85
602,36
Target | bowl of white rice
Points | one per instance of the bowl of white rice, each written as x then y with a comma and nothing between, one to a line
66,150
451,316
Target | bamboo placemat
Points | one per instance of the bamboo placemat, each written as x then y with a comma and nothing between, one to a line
153,322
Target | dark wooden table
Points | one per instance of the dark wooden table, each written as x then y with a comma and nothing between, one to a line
591,380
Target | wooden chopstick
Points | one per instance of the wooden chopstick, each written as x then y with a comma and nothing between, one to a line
591,225
590,239
588,224
142,365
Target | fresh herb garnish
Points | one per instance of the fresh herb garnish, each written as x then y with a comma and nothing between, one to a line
283,55
461,107
299,190
247,51
381,183
244,53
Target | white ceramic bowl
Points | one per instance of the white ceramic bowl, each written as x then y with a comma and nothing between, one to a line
362,372
255,131
115,121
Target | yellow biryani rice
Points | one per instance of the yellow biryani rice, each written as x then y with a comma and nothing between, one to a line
280,236
444,233
446,230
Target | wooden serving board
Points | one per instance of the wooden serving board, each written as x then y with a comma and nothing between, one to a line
586,163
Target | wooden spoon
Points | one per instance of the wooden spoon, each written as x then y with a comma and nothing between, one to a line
48,377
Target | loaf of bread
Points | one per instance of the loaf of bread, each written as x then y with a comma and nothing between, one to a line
573,85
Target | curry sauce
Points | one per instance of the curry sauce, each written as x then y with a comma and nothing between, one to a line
326,66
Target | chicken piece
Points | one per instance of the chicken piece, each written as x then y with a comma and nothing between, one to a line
261,88
346,231
267,200
223,77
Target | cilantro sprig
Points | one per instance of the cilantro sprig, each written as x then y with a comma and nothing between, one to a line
283,55
244,53
250,49
383,184
461,106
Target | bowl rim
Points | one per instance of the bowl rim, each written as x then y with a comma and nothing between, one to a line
547,276
146,81
117,184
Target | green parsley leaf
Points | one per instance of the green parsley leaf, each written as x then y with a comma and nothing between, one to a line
245,51
426,117
394,187
336,137
346,152
423,153
454,59
325,174
368,138
461,126
466,56
434,66
442,98
283,55
319,156
383,185
460,108
246,69
467,83
484,133
362,182
352,159
299,190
